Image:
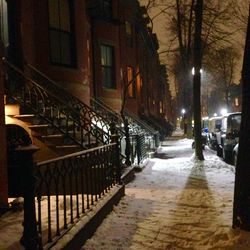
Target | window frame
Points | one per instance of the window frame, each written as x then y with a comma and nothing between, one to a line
71,45
129,35
107,8
108,68
133,84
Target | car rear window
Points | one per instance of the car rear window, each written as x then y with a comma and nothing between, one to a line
234,122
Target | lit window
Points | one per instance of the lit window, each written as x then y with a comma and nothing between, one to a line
131,82
161,107
107,64
62,50
128,28
236,101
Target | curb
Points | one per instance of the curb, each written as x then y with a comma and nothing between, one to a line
129,175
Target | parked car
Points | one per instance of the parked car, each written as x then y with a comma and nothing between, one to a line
228,136
214,126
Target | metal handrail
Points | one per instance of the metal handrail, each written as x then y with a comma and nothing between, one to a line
40,98
61,88
97,117
141,123
113,115
69,187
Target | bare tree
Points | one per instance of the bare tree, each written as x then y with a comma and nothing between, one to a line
217,31
223,63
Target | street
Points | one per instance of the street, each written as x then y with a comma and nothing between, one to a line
176,202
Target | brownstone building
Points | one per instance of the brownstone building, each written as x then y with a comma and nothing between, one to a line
99,49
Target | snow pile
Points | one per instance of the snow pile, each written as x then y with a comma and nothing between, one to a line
176,202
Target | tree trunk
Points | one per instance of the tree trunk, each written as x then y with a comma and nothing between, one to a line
241,209
197,80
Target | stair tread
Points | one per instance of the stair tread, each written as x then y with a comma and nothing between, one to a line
39,126
68,146
24,116
53,136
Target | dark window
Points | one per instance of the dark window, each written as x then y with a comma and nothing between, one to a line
62,49
107,64
129,34
106,7
131,82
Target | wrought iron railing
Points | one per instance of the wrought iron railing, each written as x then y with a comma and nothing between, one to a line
99,119
140,123
139,148
58,108
105,111
138,126
67,188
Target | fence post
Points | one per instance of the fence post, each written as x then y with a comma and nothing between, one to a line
30,239
115,139
138,149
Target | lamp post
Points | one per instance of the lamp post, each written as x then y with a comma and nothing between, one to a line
183,112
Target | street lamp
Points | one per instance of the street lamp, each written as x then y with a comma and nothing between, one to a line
223,111
183,111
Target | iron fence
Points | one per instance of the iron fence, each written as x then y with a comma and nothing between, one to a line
68,186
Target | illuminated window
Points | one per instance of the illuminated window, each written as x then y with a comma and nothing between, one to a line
131,82
62,49
107,64
161,107
236,101
128,28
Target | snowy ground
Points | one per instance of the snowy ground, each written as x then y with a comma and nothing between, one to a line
175,203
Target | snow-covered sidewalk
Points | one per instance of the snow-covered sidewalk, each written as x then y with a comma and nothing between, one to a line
175,203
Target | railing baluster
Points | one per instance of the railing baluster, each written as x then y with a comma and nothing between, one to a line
57,180
64,195
77,179
87,179
71,189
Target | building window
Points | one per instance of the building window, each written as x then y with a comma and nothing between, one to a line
62,49
106,8
108,66
236,101
161,107
129,34
131,82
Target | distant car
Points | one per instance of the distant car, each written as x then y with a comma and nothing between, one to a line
235,154
228,136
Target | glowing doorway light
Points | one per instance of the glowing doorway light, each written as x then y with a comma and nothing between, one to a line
215,114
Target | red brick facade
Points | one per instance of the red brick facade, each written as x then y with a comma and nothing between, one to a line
124,32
